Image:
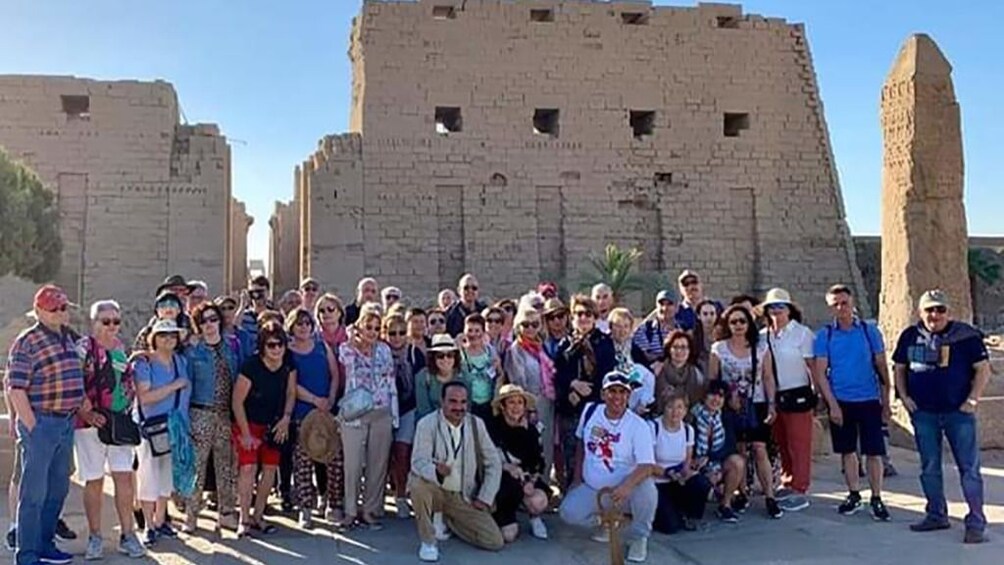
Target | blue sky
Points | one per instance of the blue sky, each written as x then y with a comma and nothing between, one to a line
275,76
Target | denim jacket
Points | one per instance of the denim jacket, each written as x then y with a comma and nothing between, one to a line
203,370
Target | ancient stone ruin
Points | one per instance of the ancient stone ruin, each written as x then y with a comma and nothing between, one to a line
513,139
924,238
140,194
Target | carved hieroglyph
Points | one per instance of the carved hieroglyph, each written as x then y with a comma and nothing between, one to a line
923,217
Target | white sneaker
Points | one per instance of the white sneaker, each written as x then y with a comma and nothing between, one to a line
428,552
442,532
601,535
403,512
638,550
538,528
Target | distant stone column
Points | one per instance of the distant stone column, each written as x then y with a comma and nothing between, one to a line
924,236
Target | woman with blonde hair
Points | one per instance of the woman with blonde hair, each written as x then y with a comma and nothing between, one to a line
367,436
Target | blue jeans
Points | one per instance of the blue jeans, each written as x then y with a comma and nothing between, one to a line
960,430
46,453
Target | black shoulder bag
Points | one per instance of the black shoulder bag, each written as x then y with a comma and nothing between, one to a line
119,428
155,428
793,400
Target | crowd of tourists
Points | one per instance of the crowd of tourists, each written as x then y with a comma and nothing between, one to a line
469,415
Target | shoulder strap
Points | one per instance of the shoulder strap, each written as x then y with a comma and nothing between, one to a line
589,411
177,393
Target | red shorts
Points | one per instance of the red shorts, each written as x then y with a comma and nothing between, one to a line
264,453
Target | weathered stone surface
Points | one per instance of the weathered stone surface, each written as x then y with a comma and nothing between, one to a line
696,134
923,217
240,223
140,194
284,243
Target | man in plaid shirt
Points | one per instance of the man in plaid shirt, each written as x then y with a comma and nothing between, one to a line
45,384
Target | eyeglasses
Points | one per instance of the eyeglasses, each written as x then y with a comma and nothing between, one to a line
689,283
257,294
737,322
583,314
168,335
437,321
496,321
533,325
210,319
304,322
311,288
274,345
936,309
680,348
162,305
111,322
371,328
777,307
228,308
397,334
328,310
470,287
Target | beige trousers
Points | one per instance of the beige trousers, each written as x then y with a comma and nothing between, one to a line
366,446
476,527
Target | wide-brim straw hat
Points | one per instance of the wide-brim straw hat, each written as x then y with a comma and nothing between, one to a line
510,390
775,296
319,436
553,306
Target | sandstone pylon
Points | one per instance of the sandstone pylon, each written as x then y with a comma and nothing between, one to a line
923,216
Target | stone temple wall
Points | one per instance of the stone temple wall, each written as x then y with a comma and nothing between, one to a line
513,139
140,195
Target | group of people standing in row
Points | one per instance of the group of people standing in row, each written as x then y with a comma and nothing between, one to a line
469,414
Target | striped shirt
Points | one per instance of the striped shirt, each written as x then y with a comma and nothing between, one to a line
46,366
649,337
709,432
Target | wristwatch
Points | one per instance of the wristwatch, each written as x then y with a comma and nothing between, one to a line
973,402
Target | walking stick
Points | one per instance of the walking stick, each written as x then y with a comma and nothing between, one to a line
612,520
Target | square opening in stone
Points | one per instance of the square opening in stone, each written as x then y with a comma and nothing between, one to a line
545,121
542,15
642,122
444,12
727,22
634,18
76,106
448,120
734,123
663,180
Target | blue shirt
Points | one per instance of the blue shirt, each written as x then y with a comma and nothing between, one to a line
313,374
939,366
158,375
202,371
851,355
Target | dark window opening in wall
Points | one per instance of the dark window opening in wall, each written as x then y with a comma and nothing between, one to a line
634,18
734,123
545,121
78,107
444,12
642,122
727,22
542,15
663,180
448,120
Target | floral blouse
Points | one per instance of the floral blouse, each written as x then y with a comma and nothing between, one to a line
374,372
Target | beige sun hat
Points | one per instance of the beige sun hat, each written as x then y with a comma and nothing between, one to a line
510,390
319,436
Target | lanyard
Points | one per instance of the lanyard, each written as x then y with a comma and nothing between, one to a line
456,447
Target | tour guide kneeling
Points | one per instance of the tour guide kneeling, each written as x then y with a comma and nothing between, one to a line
451,450
942,367
615,450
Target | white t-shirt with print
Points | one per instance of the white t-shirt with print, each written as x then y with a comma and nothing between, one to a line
671,447
613,449
738,372
791,347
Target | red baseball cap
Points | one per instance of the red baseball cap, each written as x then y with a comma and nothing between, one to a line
51,298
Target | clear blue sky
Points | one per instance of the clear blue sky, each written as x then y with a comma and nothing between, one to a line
275,76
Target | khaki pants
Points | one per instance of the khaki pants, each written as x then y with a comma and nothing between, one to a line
366,444
474,526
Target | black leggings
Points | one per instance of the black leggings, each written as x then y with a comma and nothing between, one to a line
677,501
509,498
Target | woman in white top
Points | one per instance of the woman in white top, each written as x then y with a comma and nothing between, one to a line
790,347
740,360
682,490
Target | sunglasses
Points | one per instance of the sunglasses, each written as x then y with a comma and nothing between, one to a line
310,288
937,309
168,335
397,334
111,322
59,309
776,306
370,328
228,308
161,305
274,345
438,356
393,297
533,325
551,317
737,322
437,321
257,294
328,310
210,319
583,314
689,283
509,309
304,322
471,287
496,321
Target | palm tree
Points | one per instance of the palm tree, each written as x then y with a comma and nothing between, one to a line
617,268
983,270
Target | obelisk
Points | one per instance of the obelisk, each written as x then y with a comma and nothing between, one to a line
924,236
